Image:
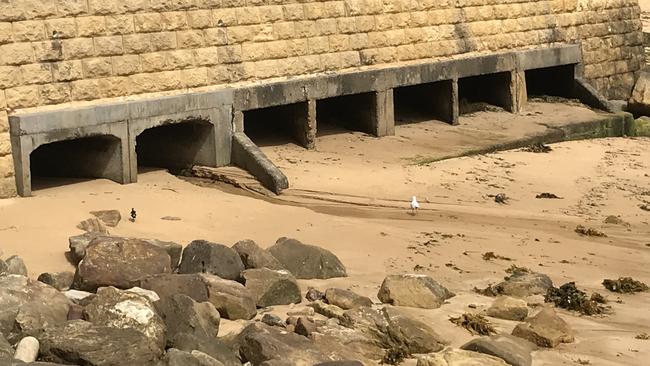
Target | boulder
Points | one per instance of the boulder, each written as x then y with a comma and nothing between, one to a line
413,290
457,357
15,266
253,256
78,244
213,347
230,298
151,295
304,326
6,352
3,267
314,294
173,249
270,287
78,297
202,256
513,350
327,310
184,315
639,102
272,320
509,308
546,329
27,349
127,310
523,284
168,284
59,280
110,218
307,261
119,262
28,306
175,357
353,339
346,299
83,343
93,225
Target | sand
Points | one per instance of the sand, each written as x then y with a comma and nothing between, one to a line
351,196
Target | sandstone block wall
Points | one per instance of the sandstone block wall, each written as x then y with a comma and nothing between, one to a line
61,51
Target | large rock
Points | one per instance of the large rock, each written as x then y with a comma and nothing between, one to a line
127,310
6,352
457,357
173,249
353,339
93,225
59,280
346,299
513,350
77,245
202,256
270,287
546,329
509,308
327,310
83,343
523,284
16,266
168,284
640,100
27,307
175,357
230,298
213,347
184,315
3,268
119,262
109,217
413,290
307,261
253,256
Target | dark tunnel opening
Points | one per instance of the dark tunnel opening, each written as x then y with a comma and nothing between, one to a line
354,112
478,93
424,102
278,125
555,81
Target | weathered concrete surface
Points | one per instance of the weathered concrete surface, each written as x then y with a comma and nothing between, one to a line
248,156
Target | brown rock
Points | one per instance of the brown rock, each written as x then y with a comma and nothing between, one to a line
346,299
109,217
546,329
230,298
59,280
253,256
509,308
414,290
271,287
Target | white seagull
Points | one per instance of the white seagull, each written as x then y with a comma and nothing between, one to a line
414,205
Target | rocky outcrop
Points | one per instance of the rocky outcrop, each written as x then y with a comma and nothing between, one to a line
346,299
119,262
513,350
202,256
230,298
174,250
253,256
328,310
168,284
77,245
307,261
81,342
15,266
127,310
546,329
213,347
6,352
109,217
93,225
457,357
270,287
523,284
509,308
59,280
413,290
184,315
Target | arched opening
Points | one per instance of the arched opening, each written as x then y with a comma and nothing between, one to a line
176,146
56,163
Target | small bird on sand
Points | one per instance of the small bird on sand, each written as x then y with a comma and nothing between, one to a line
133,215
414,205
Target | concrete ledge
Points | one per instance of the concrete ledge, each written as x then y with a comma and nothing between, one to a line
248,156
590,96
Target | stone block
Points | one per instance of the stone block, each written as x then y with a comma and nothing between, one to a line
190,39
109,46
147,22
67,70
136,43
28,31
175,20
200,19
119,24
163,41
91,26
22,97
10,76
126,65
78,48
61,28
97,67
55,93
16,54
36,73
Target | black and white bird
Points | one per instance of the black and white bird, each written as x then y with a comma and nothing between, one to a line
133,215
414,205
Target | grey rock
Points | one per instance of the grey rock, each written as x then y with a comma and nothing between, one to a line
213,347
119,262
253,256
109,217
28,306
151,295
184,315
456,357
327,310
509,308
546,329
16,266
272,320
413,290
93,225
230,298
202,256
523,284
174,250
355,340
78,244
81,342
307,261
304,326
313,294
513,350
346,299
77,296
175,357
3,268
59,280
126,310
168,284
270,287
6,352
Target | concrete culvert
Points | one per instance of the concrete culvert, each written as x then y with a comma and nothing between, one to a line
424,102
177,146
356,112
478,93
88,157
279,125
555,81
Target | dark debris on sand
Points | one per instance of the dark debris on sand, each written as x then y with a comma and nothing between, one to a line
474,323
625,285
488,256
538,147
547,195
589,231
569,297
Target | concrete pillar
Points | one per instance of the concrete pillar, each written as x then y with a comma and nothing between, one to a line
455,102
518,90
21,147
304,123
237,121
383,116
